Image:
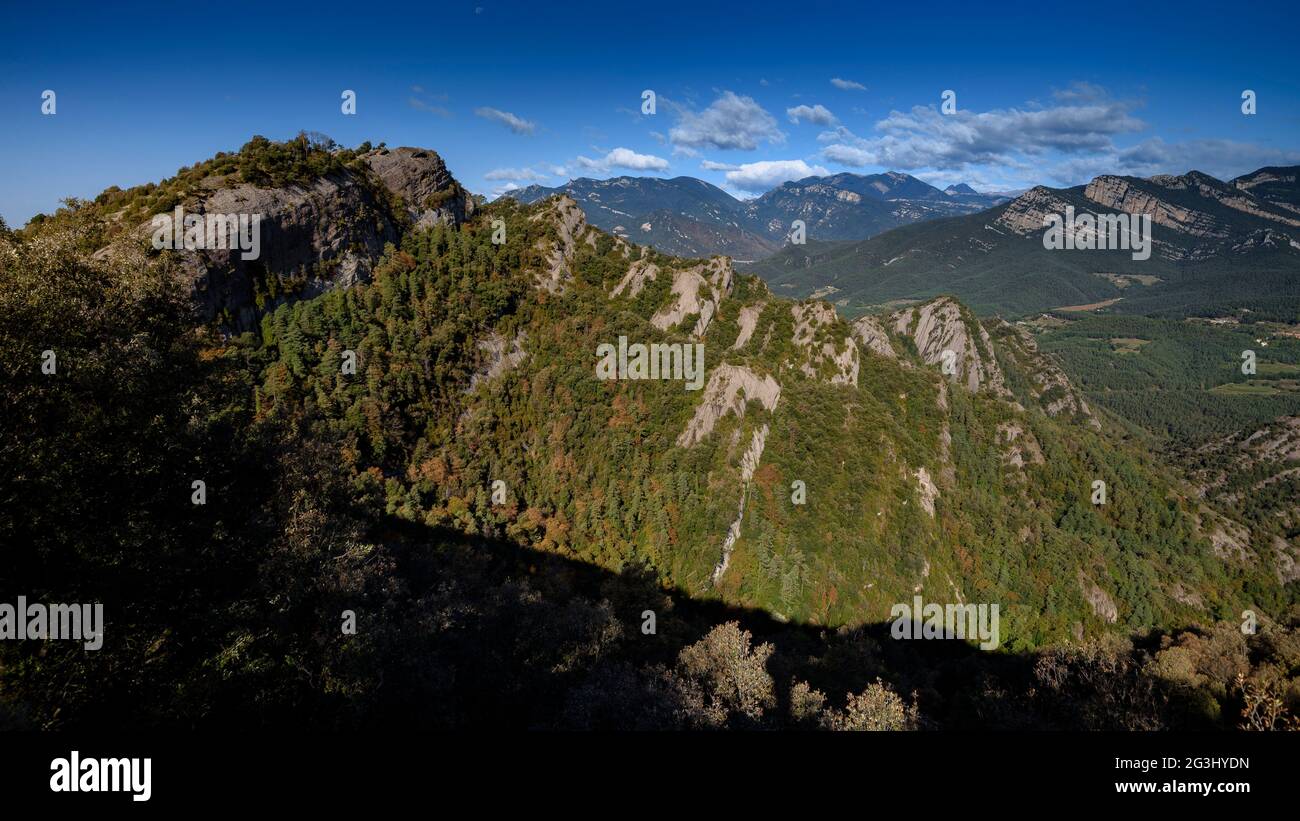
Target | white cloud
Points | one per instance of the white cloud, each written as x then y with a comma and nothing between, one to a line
516,124
624,158
1219,158
515,174
847,85
743,196
426,101
1224,159
441,96
1081,91
757,177
420,105
816,114
923,137
849,155
730,122
710,165
1074,138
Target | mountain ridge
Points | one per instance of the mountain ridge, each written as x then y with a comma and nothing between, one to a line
658,211
432,448
782,364
1203,231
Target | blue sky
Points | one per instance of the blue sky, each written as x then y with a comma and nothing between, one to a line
747,94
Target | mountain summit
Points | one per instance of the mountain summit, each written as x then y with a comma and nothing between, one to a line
326,215
689,217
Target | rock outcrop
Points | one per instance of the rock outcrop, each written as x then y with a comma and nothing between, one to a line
427,189
1099,600
499,356
927,490
640,272
570,227
1021,447
729,390
1116,194
696,291
1286,560
873,337
940,326
748,464
813,322
1051,387
1026,214
748,321
325,234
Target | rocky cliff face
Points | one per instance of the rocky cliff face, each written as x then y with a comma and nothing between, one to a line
1279,187
697,291
1248,195
1116,194
1200,216
944,335
314,237
642,271
748,321
871,334
729,390
429,193
570,228
1050,387
814,336
1026,214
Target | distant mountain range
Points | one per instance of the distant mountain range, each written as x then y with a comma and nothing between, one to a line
1216,245
687,217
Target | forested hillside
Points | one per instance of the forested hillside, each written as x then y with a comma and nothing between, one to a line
594,469
1216,247
500,521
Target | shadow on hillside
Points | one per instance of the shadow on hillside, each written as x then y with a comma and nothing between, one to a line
532,647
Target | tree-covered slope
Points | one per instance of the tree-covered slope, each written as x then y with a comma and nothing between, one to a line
1216,247
430,450
912,483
